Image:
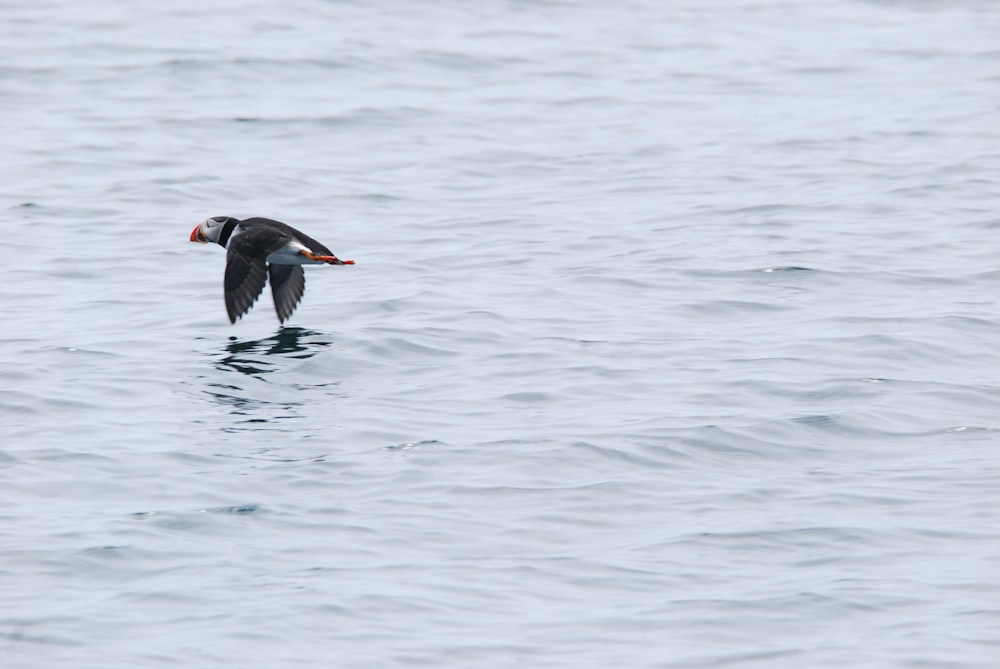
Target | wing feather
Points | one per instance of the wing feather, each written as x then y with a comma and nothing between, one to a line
288,282
246,268
244,282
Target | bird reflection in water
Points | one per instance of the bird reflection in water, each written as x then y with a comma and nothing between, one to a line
249,357
252,407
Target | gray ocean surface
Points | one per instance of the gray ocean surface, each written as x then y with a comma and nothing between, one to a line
673,338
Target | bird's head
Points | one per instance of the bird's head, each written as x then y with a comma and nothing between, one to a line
210,229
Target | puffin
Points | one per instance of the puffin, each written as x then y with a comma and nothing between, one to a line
260,247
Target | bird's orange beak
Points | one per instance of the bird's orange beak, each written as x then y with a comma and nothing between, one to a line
197,235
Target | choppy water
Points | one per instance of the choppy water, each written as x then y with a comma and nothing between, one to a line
672,342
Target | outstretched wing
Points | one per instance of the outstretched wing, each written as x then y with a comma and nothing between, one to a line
288,282
246,268
244,283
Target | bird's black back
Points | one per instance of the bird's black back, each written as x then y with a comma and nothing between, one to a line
316,247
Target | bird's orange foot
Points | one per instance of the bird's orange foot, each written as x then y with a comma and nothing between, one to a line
333,260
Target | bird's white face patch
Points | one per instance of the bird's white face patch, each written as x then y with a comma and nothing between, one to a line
212,228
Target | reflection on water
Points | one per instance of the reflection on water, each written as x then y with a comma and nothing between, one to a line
266,407
249,357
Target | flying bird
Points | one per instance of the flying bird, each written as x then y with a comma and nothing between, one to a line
257,248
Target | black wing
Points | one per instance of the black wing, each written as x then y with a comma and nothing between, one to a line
246,268
288,282
254,224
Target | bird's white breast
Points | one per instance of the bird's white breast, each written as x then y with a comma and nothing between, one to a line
289,255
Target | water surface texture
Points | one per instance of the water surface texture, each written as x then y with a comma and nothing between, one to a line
672,339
